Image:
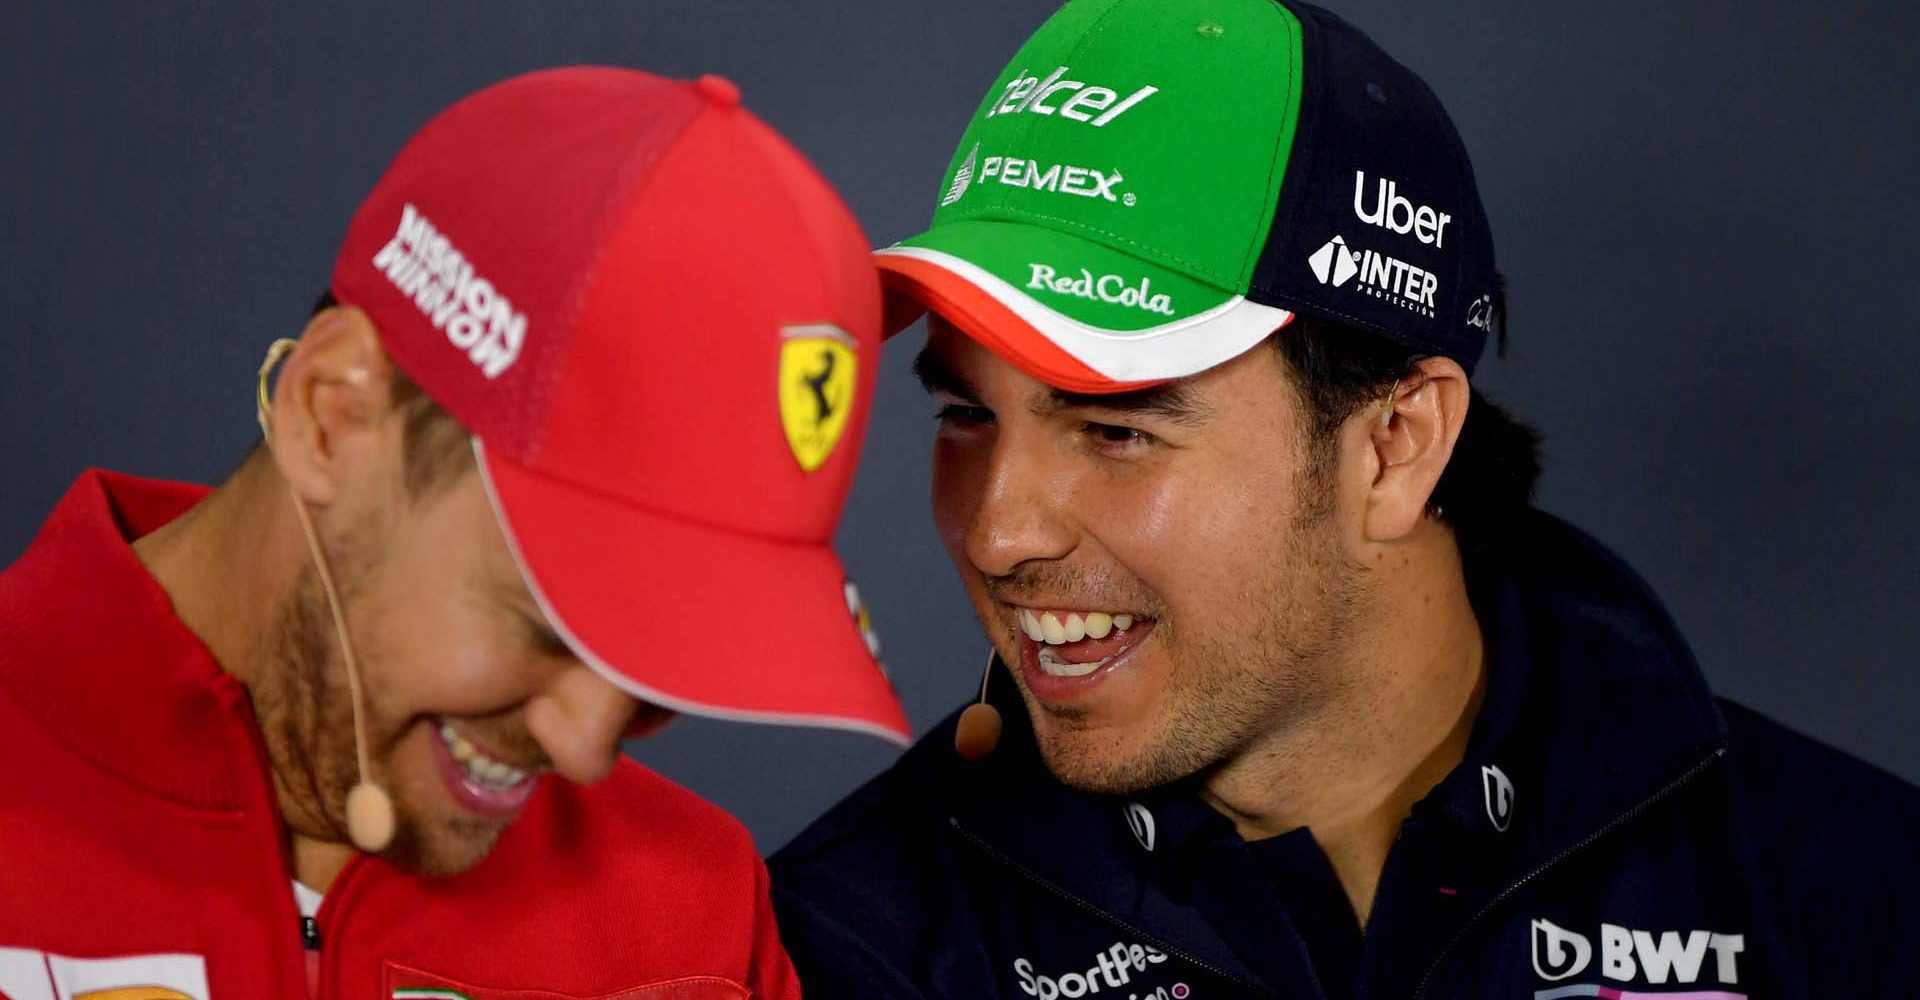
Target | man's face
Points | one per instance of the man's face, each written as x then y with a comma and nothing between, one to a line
1183,522
470,696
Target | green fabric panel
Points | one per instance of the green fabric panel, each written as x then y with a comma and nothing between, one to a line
1157,129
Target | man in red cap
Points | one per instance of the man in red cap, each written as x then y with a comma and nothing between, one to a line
559,455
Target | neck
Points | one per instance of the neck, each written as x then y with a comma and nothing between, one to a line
226,566
223,569
1352,772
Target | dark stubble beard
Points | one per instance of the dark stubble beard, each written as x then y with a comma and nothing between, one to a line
305,711
1277,666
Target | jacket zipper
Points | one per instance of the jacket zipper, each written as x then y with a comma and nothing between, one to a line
240,715
329,920
313,935
1082,904
310,943
1614,824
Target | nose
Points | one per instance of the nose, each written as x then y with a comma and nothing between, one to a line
1023,507
578,721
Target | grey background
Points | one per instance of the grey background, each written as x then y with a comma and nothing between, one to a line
1706,210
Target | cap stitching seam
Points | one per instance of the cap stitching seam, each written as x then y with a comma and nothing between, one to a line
624,191
1250,260
1287,214
823,280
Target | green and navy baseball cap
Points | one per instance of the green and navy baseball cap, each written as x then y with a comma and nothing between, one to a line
1151,187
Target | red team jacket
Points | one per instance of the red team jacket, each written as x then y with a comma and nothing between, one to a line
142,858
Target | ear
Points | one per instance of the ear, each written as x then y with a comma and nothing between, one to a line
1411,436
327,416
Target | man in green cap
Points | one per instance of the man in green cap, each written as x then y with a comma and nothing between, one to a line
1301,697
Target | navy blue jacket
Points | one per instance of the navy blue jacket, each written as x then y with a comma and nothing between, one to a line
1614,831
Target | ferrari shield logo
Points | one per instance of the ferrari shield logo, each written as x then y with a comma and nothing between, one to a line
818,372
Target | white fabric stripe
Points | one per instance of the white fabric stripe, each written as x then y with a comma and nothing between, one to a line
1204,339
635,688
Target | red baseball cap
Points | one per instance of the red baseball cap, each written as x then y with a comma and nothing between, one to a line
661,327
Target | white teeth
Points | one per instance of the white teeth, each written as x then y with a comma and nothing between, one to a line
1076,628
462,750
1099,624
1030,624
485,770
1051,627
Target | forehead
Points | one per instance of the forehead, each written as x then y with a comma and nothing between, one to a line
955,364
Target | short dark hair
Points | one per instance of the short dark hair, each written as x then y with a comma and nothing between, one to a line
1337,369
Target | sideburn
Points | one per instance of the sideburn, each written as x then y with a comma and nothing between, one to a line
303,703
305,720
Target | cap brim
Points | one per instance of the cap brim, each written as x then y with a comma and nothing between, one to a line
961,271
691,617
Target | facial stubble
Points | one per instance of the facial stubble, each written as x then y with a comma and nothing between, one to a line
1272,666
305,710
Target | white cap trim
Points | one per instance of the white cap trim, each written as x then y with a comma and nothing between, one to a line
1205,339
651,695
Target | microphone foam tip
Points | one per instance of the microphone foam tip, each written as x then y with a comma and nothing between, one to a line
978,732
370,817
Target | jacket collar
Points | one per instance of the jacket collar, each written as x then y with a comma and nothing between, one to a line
1110,854
1594,704
97,656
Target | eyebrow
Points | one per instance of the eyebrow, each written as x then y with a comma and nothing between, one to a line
1173,401
937,374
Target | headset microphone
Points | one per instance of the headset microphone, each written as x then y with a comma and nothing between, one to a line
370,819
979,729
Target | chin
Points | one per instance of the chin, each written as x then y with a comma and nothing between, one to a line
1105,762
444,847
434,836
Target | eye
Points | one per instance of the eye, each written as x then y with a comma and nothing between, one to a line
1116,437
963,415
546,641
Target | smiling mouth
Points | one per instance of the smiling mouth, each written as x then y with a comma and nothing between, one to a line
488,772
480,781
1077,643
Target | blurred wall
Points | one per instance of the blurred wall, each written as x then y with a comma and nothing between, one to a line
1706,211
